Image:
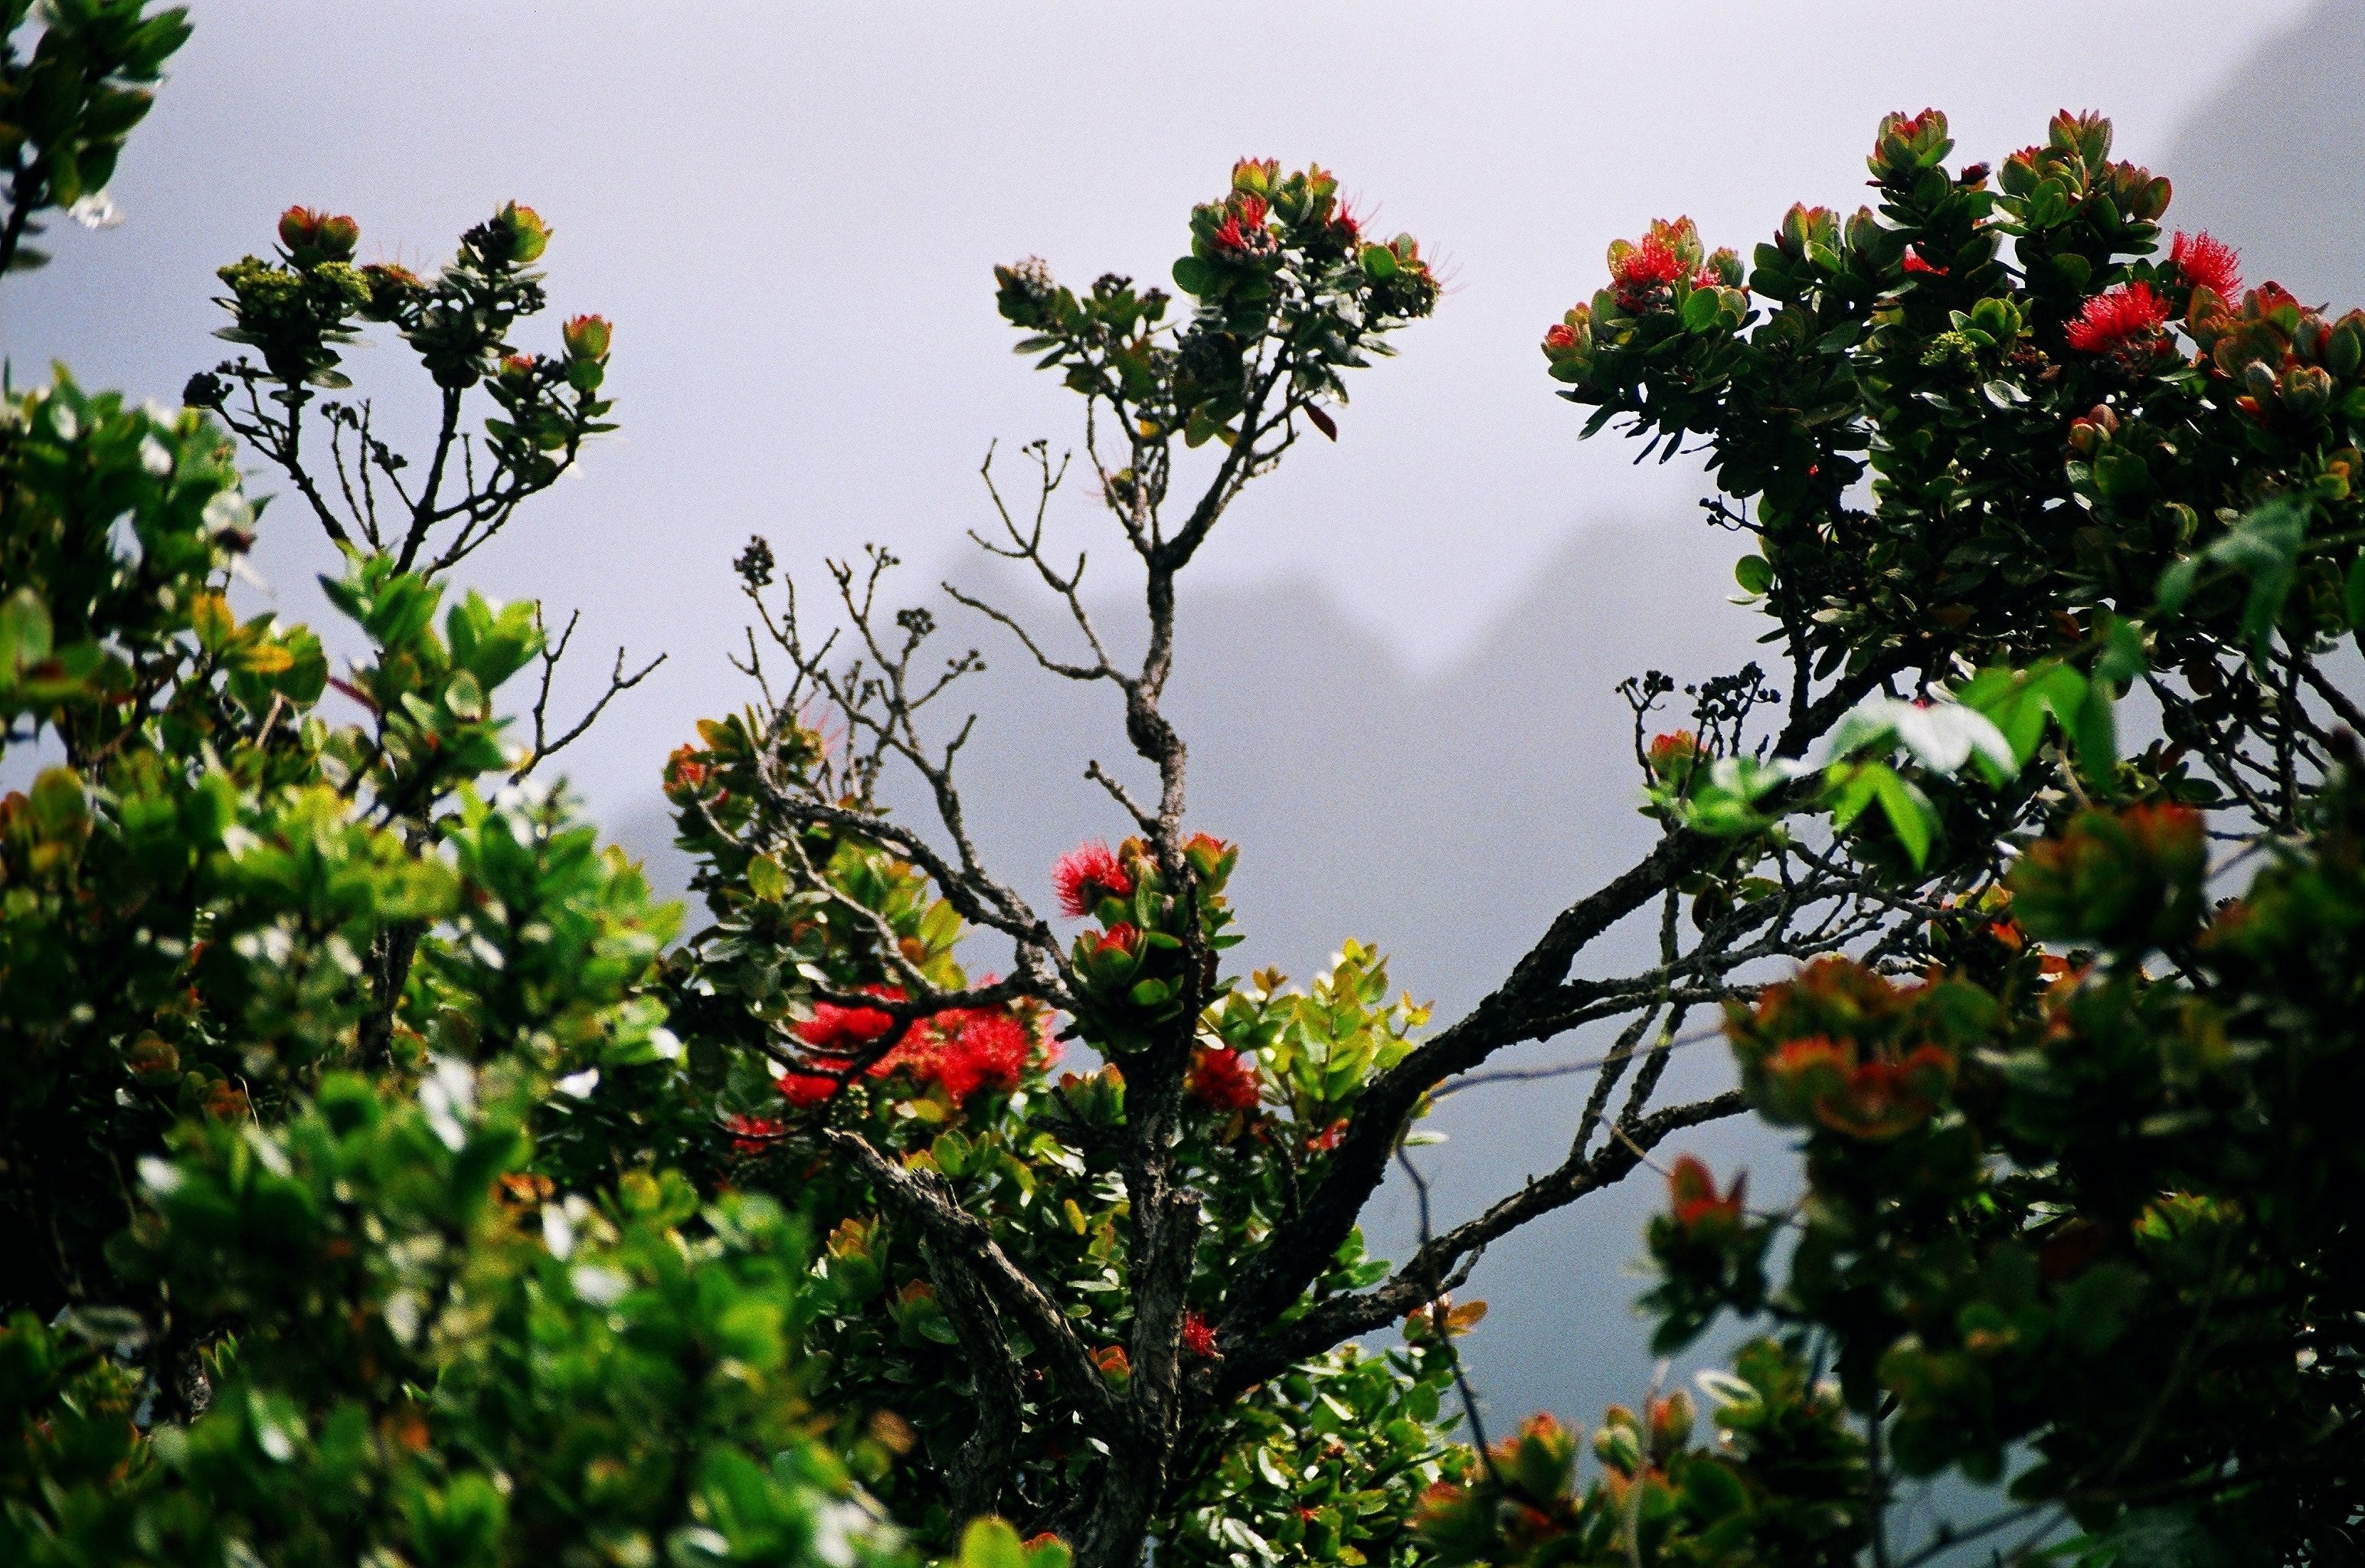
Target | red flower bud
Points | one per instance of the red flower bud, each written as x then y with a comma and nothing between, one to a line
586,337
300,227
338,236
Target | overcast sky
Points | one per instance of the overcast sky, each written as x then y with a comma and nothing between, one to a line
790,211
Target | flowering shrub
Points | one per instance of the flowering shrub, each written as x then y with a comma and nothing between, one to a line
2067,1223
320,1250
384,1189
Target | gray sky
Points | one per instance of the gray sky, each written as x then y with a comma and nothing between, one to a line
789,212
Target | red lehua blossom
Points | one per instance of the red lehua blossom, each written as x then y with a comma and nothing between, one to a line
1243,229
803,1089
2208,263
2114,319
1222,1080
1650,265
683,770
1347,224
1197,1337
834,1028
753,1135
1087,874
970,1049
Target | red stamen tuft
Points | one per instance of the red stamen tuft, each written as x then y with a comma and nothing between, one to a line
2206,261
1087,874
2111,321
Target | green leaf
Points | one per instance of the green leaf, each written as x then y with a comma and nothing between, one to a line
991,1542
1909,811
464,695
765,880
1699,310
1753,573
1193,276
24,633
2093,735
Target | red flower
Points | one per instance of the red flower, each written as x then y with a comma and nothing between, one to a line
753,1135
2114,321
1697,1204
1244,228
1347,224
802,1089
1648,267
1328,1138
847,1030
1197,1337
683,770
1560,336
1222,1080
970,1049
1087,874
2208,263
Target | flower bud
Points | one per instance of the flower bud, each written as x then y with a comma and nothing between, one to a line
2306,388
2019,175
517,371
1671,1423
526,233
2086,136
586,337
1907,142
338,237
1673,756
300,227
312,237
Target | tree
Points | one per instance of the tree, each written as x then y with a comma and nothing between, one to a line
410,1198
2073,1211
294,1009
